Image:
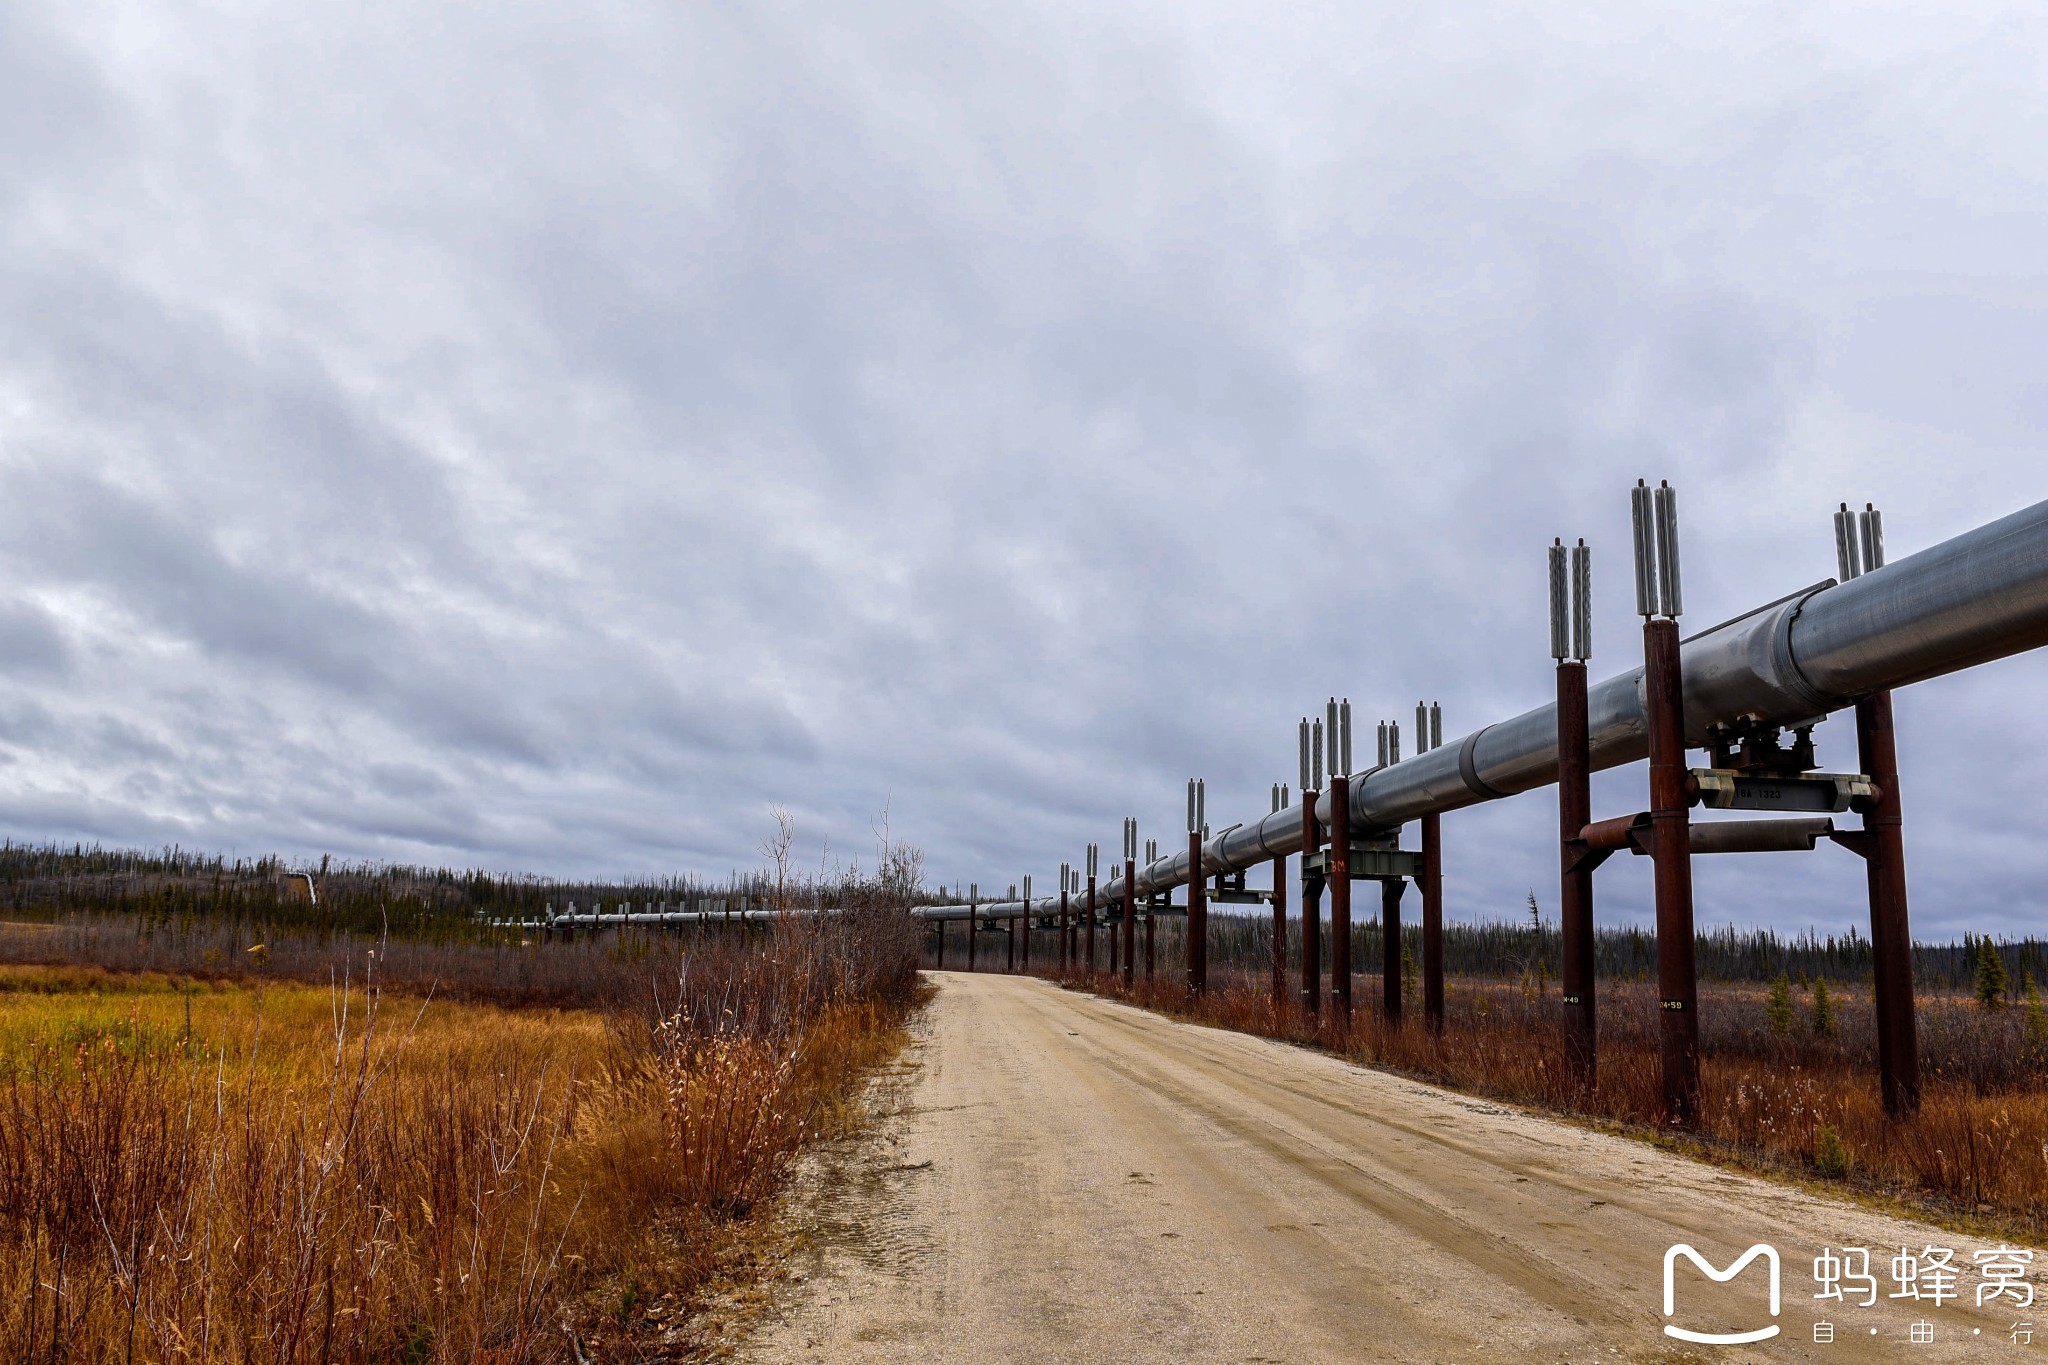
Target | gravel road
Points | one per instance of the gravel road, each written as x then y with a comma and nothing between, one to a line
1063,1178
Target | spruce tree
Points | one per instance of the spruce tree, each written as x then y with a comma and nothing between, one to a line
1778,1009
1823,1010
1991,977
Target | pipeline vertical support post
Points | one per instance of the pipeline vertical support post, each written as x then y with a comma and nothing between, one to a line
1570,646
1130,900
1311,908
1390,949
1198,918
1151,919
1280,916
1311,882
1088,914
1111,928
1130,920
1658,600
1339,863
1429,734
1024,948
1678,986
1433,922
1074,929
1575,886
1066,939
1198,892
1391,891
1859,546
1280,933
1090,910
1151,943
973,904
1891,942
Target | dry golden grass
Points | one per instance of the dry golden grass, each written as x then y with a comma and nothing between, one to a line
270,1170
281,1172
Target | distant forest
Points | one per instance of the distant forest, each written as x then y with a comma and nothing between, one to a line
45,882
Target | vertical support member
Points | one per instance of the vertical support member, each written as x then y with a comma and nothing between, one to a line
1311,882
1339,862
1571,630
1659,603
973,904
1280,803
1110,928
1429,734
1130,898
1089,910
1198,899
1859,544
1066,939
1151,919
1391,889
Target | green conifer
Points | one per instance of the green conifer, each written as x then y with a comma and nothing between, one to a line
1778,1009
1823,1010
1991,977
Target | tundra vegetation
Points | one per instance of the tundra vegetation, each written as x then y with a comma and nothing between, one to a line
1787,1031
234,1129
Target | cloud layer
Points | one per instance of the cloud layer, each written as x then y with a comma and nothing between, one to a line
548,440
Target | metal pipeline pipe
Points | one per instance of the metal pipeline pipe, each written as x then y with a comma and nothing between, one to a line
585,919
1967,601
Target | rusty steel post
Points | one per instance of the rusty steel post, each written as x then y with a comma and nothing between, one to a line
1090,921
1066,938
1130,918
1110,931
1311,909
1151,955
1891,939
1575,889
1339,876
1198,918
1677,976
1433,922
1280,934
1390,949
972,904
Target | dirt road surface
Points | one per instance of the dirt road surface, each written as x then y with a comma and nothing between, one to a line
1069,1179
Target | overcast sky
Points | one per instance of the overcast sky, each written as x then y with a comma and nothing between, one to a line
548,437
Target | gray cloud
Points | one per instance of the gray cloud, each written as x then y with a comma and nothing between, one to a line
550,440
